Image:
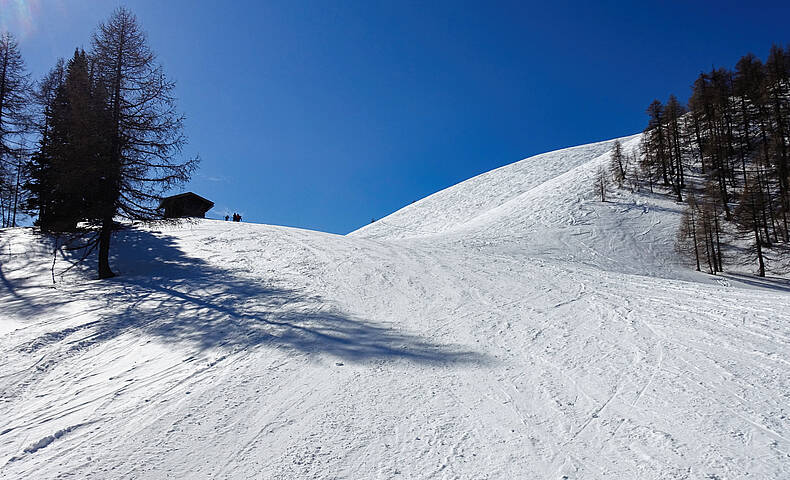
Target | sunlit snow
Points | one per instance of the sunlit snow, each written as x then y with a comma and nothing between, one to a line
510,326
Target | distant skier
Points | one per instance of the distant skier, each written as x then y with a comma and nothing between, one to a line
227,217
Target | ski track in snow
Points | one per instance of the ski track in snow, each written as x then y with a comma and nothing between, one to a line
507,327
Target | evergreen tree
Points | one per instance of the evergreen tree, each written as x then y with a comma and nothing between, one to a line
41,177
67,166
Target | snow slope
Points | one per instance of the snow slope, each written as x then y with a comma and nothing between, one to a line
545,206
455,206
507,327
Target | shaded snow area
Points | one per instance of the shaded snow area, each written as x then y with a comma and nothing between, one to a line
510,326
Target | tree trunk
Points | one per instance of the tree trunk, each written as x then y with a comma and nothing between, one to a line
104,248
16,192
718,241
694,239
761,272
111,192
708,246
699,144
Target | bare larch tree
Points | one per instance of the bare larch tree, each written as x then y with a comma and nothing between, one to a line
14,124
146,131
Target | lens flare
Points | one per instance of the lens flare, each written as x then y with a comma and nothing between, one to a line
18,16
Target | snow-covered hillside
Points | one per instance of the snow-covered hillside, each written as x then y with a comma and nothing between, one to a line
510,326
545,206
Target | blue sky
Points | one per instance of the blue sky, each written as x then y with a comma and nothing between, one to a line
325,114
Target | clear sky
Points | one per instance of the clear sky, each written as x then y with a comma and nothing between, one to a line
325,114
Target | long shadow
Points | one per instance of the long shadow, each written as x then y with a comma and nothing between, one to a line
12,289
771,283
25,290
629,206
178,298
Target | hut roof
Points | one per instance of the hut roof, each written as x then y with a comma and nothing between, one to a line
190,195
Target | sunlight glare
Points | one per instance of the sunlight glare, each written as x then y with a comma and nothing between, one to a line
18,16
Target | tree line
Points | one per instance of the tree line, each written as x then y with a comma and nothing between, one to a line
96,139
726,156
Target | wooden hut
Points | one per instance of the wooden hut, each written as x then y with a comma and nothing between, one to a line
185,205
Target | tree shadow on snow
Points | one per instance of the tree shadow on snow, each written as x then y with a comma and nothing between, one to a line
770,283
25,274
628,205
182,299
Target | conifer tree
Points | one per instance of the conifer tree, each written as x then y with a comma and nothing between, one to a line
601,182
736,135
14,124
145,131
66,168
41,177
748,216
776,91
689,241
673,113
618,163
657,141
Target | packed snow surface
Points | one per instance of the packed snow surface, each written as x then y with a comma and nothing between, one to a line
510,326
